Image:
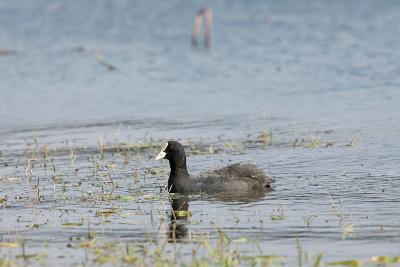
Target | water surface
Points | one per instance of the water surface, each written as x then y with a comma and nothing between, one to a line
325,72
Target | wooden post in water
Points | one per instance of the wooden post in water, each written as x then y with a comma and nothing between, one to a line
206,14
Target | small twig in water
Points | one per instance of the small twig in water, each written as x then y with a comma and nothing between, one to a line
101,61
113,186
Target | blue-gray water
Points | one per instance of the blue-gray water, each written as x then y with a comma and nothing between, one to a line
327,70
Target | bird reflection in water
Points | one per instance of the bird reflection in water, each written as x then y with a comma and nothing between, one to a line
179,215
175,228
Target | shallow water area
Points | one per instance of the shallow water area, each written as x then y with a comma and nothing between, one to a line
307,90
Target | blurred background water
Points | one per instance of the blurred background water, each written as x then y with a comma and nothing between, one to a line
297,68
307,63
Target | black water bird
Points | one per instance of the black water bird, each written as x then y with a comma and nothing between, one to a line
237,179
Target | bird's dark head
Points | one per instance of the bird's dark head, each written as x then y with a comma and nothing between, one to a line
175,153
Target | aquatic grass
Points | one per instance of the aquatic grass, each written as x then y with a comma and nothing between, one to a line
208,253
308,220
347,230
71,224
349,263
306,259
347,227
200,149
298,142
45,153
354,141
204,253
299,253
9,244
38,257
385,260
315,141
106,213
30,167
86,183
280,216
318,261
6,262
266,260
266,137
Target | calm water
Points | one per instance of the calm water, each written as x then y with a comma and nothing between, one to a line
299,69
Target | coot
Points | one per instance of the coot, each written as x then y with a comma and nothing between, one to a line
240,178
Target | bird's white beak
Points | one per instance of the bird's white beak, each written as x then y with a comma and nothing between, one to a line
162,153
